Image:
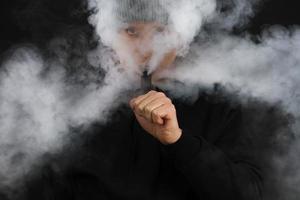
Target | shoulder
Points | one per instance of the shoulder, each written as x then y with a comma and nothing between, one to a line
197,97
216,104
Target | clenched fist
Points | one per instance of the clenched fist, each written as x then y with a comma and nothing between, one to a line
157,115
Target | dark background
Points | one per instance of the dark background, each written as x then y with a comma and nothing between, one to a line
37,21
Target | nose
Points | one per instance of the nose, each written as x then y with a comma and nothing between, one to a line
146,57
145,49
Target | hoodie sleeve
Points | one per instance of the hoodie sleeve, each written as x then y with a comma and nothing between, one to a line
219,168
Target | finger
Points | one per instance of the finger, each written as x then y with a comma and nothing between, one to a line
135,101
163,113
153,105
131,102
140,107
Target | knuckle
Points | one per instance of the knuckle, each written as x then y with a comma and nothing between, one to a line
155,113
169,101
142,96
139,97
151,92
147,110
173,108
140,108
134,103
161,94
154,117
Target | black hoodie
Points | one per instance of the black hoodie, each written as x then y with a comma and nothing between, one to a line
212,160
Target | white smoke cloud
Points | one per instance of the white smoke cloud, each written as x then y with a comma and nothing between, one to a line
234,13
187,17
37,109
268,69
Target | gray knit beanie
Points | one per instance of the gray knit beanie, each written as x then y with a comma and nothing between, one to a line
141,10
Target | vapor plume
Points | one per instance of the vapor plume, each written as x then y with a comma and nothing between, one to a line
39,105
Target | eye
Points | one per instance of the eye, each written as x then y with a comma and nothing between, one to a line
131,31
160,29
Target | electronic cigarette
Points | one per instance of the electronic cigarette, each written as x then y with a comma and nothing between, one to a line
146,84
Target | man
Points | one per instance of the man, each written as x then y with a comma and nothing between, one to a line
158,146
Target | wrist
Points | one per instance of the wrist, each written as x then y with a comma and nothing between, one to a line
173,138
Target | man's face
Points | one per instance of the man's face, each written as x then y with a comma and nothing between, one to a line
135,46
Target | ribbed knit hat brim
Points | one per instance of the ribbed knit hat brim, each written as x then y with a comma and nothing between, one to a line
141,10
